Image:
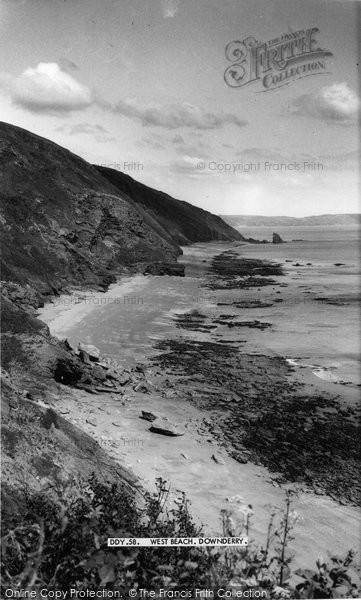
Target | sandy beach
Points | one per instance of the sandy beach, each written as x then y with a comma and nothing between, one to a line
158,321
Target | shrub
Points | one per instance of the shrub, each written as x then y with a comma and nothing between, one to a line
62,543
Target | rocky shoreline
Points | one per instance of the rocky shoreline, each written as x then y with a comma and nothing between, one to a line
239,406
263,413
257,408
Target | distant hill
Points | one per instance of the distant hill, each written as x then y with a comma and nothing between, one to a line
239,221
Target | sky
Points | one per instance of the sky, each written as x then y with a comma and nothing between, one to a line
140,86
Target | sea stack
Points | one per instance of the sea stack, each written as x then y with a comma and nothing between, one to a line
276,239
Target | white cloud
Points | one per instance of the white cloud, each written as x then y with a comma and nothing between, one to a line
47,89
170,8
336,103
177,116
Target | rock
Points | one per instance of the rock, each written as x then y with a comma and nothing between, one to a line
67,345
276,239
109,383
112,374
163,268
84,357
86,388
98,373
161,425
239,457
104,365
123,379
218,458
108,390
141,387
92,351
91,422
148,416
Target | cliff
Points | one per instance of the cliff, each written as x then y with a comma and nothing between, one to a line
67,222
184,222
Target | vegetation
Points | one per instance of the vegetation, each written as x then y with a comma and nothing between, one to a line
61,543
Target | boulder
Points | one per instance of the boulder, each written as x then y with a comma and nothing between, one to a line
276,239
98,373
165,427
84,357
148,416
163,268
92,351
141,387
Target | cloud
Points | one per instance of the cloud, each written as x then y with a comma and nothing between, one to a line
47,89
99,132
170,8
186,166
178,139
177,116
336,103
87,128
152,143
262,154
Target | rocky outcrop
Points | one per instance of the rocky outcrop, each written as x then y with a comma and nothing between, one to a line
162,268
276,239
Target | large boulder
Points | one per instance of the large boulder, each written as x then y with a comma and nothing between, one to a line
92,351
165,427
276,239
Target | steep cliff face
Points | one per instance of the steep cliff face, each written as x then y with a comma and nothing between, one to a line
184,222
62,222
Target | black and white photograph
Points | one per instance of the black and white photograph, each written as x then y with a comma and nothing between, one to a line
180,299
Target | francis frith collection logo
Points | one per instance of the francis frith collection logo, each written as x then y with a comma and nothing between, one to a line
275,63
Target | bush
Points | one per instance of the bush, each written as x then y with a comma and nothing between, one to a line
62,543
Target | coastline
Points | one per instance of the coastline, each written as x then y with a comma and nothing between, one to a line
187,461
